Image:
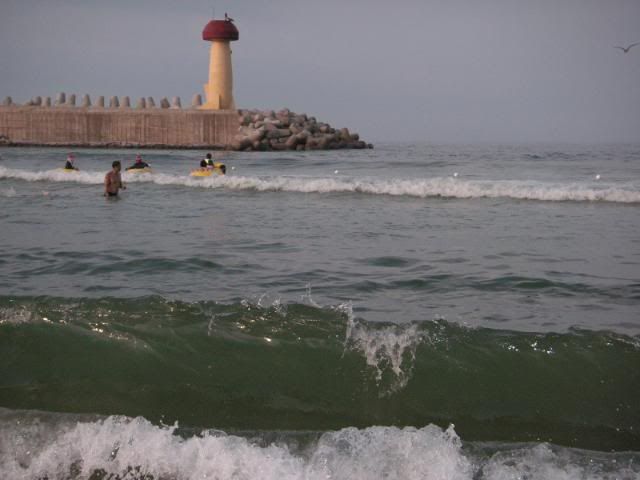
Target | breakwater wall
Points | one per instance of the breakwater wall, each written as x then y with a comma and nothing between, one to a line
145,125
117,127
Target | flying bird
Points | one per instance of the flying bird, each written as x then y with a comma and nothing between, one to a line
626,50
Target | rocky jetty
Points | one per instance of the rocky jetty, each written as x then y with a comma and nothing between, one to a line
258,130
286,130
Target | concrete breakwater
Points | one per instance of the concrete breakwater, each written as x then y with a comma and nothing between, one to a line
286,130
117,123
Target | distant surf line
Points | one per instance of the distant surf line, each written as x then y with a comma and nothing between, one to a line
436,187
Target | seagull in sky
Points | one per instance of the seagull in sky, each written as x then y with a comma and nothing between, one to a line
626,50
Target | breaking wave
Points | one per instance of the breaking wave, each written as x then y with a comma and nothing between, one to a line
53,446
296,366
443,187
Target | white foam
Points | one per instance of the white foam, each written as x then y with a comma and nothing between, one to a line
308,299
57,175
541,462
422,188
390,349
16,316
117,444
390,453
52,447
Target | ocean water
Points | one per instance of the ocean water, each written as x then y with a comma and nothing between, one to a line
410,312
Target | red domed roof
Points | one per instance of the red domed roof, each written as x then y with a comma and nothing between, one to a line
220,30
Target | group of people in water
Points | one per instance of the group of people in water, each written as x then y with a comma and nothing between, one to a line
113,181
139,163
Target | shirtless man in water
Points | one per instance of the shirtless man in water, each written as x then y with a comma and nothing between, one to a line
113,181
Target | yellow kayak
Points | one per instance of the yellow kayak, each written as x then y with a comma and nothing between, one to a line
69,170
140,170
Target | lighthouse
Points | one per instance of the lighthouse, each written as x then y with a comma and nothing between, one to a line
219,91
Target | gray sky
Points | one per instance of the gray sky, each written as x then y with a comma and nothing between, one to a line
454,71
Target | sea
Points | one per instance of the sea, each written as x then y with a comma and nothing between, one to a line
413,311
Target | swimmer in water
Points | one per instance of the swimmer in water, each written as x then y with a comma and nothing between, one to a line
113,181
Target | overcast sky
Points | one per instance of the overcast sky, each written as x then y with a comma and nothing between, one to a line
447,71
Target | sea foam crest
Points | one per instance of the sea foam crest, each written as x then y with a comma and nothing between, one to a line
389,349
420,188
135,448
121,447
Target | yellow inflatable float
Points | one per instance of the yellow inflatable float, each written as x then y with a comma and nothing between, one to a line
217,169
139,170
